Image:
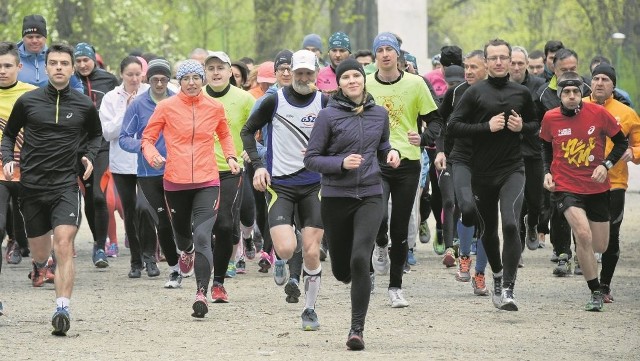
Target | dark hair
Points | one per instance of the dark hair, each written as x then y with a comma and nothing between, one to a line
363,52
479,53
127,61
149,56
246,60
563,54
496,42
536,54
59,48
244,71
552,46
569,75
7,47
598,59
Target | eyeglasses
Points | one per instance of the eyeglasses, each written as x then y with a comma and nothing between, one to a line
189,79
283,69
502,58
162,80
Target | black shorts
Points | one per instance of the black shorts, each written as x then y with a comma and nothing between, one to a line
282,201
596,205
44,210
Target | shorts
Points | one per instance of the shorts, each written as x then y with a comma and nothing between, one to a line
595,205
44,210
283,201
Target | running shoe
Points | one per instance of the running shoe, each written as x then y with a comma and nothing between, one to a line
596,302
355,342
280,272
100,259
310,320
292,290
200,307
577,270
231,270
397,298
241,266
218,293
61,321
531,235
563,268
112,250
479,285
424,232
449,259
249,248
37,275
496,297
464,269
186,263
265,262
438,243
152,269
606,293
507,301
14,255
135,272
411,258
380,260
406,268
554,257
174,281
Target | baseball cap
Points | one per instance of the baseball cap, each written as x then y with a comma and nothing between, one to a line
220,55
265,73
303,59
454,73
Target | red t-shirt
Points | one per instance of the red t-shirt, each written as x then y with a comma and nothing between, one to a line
578,146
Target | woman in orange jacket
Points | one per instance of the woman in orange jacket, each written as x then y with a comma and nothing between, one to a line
191,123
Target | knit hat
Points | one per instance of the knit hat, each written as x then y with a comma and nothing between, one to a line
304,59
34,24
312,40
266,73
569,79
451,55
283,57
454,73
348,64
84,49
435,60
411,59
386,39
159,66
339,40
189,66
606,69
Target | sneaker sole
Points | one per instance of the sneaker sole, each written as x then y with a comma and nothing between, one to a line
449,261
355,344
399,305
199,309
463,278
101,264
481,292
509,306
293,293
264,266
533,245
594,309
61,325
310,327
172,285
220,300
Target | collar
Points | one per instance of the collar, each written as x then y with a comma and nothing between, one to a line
215,94
9,87
498,82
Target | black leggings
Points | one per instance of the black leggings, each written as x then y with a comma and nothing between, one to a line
262,215
401,184
153,222
95,203
612,254
192,213
445,183
507,191
227,226
248,204
464,193
10,220
534,178
142,250
347,226
436,196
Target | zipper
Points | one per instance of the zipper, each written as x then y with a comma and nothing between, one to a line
193,134
57,105
360,118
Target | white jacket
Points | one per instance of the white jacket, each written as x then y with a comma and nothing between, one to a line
114,105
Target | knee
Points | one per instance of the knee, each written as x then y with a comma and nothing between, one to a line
341,274
510,229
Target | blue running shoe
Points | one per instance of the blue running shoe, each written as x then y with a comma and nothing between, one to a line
411,259
280,273
231,270
61,321
100,259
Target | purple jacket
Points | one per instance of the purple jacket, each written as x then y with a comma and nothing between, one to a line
338,132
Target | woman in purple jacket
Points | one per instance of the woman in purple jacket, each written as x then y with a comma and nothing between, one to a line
350,136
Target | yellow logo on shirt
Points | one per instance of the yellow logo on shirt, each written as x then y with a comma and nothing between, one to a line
577,152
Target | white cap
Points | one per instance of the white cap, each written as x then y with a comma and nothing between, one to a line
304,59
220,55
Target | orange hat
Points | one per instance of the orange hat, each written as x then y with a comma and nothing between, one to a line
266,73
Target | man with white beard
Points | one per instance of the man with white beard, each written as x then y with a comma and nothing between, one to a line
289,115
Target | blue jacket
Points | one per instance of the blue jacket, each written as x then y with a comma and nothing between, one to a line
338,132
33,69
135,120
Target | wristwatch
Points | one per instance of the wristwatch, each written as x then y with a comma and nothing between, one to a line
607,164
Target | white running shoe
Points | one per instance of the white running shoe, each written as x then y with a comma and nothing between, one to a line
397,298
380,260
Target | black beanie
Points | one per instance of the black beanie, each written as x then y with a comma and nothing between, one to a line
34,24
349,64
606,69
451,55
283,57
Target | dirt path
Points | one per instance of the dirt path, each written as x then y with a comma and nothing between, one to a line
115,318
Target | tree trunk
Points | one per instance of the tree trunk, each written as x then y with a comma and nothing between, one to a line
66,13
272,18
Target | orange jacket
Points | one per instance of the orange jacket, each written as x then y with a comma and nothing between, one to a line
189,125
